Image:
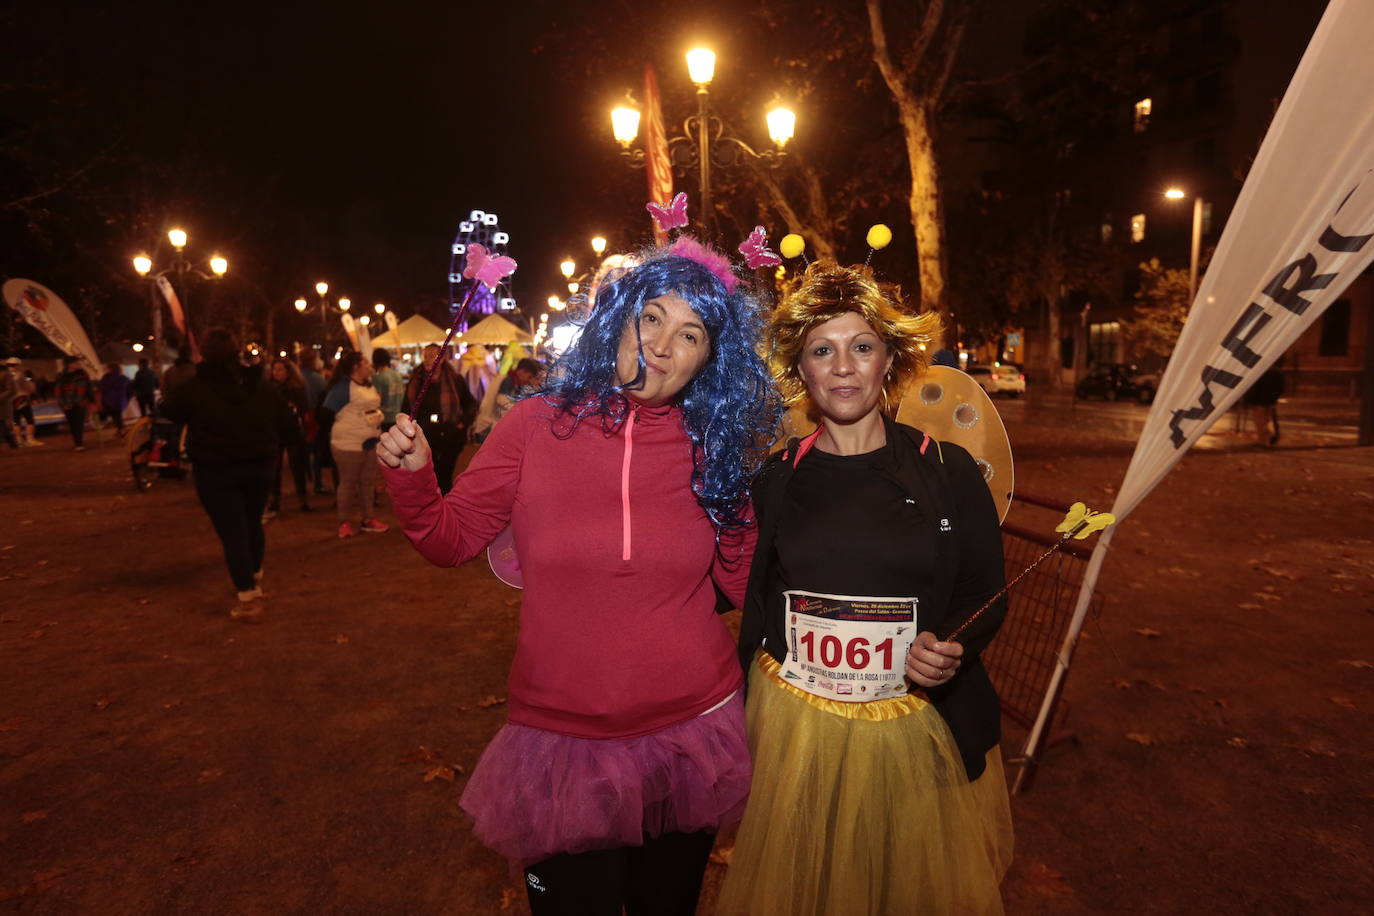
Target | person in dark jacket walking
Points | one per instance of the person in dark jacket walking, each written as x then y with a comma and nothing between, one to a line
145,387
114,396
236,423
286,378
76,395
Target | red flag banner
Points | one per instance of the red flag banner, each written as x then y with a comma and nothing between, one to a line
164,286
657,166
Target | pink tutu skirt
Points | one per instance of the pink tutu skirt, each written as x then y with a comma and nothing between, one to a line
537,793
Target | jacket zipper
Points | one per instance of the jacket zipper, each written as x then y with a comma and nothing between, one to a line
625,485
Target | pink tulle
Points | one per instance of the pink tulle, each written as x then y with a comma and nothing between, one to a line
687,247
537,793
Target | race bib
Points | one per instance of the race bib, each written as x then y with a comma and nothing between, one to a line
846,647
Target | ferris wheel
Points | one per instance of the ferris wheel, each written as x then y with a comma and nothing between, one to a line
484,229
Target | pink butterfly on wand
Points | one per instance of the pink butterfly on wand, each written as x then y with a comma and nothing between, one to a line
755,250
487,268
672,215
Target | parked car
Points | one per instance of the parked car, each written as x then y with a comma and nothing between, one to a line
1004,378
1118,382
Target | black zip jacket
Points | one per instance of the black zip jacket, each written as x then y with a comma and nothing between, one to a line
968,571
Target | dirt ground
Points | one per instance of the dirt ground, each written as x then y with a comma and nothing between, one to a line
159,757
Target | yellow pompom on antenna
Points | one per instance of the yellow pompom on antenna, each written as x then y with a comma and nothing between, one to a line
791,245
879,237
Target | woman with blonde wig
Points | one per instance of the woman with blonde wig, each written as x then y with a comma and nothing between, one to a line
878,785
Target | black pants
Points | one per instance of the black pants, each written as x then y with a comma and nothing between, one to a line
446,444
660,878
76,422
145,403
234,496
114,416
293,456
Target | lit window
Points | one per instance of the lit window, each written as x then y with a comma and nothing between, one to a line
1142,115
1138,227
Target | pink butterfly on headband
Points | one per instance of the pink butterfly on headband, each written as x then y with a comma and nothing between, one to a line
489,269
670,216
755,250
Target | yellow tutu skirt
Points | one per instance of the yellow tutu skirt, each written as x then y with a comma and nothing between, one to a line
863,809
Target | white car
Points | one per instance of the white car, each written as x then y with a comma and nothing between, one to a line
1005,379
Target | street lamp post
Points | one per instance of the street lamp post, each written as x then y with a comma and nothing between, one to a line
1179,194
704,142
180,266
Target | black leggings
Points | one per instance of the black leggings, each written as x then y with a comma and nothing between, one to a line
234,496
661,878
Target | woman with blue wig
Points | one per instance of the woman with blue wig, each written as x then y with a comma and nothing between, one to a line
625,483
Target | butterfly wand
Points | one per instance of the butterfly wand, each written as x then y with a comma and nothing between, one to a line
1077,525
487,270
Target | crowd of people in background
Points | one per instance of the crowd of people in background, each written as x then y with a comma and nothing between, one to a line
250,422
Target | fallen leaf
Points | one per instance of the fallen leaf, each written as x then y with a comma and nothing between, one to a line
1141,738
1278,573
1237,742
209,775
721,854
190,858
37,633
1348,662
1343,702
1148,633
439,772
103,702
423,754
29,817
490,701
339,639
1044,880
1136,585
512,602
1267,596
1250,606
1122,685
508,896
14,723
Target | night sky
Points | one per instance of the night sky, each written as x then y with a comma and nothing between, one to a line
345,142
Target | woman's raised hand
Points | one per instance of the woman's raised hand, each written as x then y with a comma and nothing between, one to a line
930,662
404,445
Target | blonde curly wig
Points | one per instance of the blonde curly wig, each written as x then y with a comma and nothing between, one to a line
826,291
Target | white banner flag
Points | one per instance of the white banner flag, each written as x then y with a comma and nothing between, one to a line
1299,234
45,310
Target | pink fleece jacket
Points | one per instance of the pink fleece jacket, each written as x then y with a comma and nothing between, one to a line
618,631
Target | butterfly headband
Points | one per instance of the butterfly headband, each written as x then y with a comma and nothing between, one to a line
673,215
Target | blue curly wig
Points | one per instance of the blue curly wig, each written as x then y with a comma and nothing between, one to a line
730,409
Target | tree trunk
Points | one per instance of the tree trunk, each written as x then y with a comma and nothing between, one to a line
1054,348
926,216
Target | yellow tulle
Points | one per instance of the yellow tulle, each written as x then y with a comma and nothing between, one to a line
863,808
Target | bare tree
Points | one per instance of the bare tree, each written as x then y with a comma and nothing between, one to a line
917,80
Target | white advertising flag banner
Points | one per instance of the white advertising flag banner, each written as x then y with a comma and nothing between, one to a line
1299,234
45,310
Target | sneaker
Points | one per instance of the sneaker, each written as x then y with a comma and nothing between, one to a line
249,608
346,530
79,448
269,514
33,443
372,526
